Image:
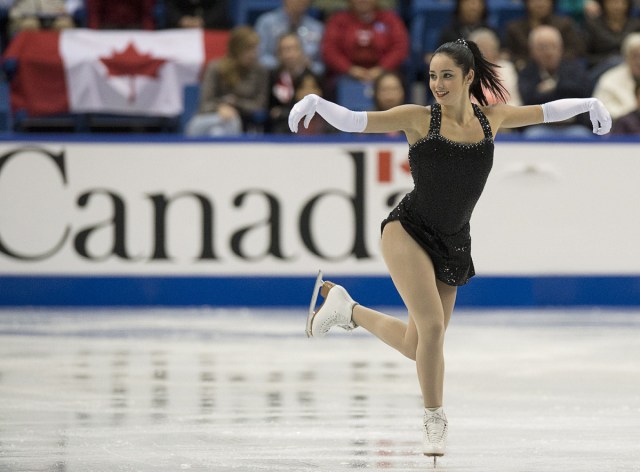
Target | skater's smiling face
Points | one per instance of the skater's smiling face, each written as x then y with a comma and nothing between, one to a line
447,81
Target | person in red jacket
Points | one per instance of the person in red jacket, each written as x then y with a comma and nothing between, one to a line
364,41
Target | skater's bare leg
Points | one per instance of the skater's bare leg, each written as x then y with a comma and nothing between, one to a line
429,303
448,299
396,333
393,331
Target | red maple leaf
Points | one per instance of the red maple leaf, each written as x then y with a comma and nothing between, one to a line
131,63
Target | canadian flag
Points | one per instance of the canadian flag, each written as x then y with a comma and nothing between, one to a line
123,72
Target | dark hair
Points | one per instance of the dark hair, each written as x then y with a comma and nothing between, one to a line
485,10
378,81
467,56
629,6
241,38
288,34
554,4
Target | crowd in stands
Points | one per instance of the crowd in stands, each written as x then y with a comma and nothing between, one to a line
552,49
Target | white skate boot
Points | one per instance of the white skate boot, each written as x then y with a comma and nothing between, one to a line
336,309
435,433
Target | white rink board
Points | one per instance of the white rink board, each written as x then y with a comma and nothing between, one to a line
283,208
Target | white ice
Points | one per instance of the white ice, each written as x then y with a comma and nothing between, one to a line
245,390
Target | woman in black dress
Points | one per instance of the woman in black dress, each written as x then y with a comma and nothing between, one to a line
425,240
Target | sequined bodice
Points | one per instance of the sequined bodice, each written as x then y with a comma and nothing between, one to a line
449,177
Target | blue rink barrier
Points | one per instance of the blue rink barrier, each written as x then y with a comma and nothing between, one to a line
480,292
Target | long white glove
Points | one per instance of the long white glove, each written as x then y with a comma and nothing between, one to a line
560,110
337,116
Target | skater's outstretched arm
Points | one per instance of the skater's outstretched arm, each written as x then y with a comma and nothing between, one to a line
408,118
507,116
401,118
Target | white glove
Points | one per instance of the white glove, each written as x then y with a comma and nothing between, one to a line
560,110
337,116
305,107
600,117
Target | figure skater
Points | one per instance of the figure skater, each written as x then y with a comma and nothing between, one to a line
425,239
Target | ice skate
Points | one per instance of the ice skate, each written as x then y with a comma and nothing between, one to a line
336,309
435,433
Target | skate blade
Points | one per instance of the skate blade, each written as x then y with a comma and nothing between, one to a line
435,458
312,305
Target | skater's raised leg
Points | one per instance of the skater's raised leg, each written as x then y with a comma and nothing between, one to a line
396,333
430,304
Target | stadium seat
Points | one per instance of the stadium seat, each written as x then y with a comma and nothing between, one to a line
354,94
503,11
246,12
6,119
80,16
160,14
426,25
421,6
191,102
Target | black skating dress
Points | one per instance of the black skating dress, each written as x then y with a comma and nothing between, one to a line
448,180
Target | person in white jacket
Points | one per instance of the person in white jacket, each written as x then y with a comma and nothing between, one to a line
615,88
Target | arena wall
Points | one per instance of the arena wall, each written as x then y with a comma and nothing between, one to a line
121,222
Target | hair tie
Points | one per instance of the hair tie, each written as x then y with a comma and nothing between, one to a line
462,41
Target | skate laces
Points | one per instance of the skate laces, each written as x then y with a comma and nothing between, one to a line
338,311
328,323
435,425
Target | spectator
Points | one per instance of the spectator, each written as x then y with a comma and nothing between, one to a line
541,12
120,14
468,16
629,123
234,89
292,71
615,88
207,14
35,15
605,33
388,91
489,44
579,9
290,17
547,77
364,41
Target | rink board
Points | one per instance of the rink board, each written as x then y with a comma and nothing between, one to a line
482,291
232,223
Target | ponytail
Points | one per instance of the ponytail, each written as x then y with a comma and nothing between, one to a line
468,57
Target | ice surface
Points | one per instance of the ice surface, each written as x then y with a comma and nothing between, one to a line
245,390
